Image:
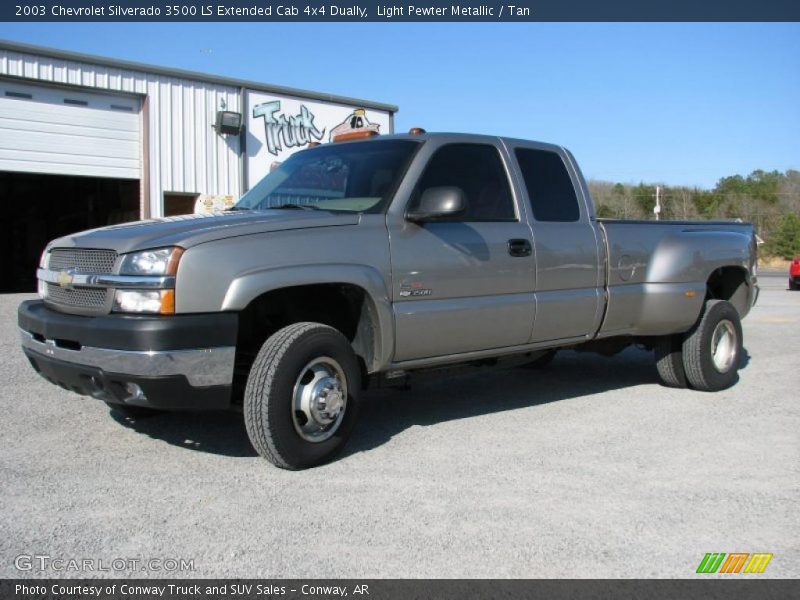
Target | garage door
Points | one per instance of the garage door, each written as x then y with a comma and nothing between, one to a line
59,131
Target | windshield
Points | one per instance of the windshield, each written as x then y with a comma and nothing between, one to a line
347,178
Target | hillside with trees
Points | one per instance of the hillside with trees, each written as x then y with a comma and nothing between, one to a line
768,199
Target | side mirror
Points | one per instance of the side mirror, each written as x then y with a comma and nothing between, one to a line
438,203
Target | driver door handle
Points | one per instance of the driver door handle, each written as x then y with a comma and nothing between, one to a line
519,247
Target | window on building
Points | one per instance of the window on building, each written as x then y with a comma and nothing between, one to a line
178,204
550,190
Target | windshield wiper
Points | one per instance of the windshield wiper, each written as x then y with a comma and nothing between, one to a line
290,206
232,208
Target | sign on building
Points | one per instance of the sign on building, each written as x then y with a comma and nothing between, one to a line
278,126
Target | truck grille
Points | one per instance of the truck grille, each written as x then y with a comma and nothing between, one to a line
91,298
83,260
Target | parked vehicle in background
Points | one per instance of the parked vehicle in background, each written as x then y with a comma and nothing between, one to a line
374,259
794,274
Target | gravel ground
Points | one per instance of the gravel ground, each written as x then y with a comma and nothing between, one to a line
586,469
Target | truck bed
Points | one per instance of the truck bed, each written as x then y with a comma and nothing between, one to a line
657,271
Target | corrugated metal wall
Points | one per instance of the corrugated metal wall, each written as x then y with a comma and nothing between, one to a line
184,153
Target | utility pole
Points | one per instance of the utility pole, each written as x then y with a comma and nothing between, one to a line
657,207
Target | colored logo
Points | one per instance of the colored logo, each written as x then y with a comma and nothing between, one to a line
735,562
65,278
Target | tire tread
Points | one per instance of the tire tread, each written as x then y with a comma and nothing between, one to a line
262,376
695,360
669,361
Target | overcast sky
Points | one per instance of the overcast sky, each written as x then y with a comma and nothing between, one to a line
672,103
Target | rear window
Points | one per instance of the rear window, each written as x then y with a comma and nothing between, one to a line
550,190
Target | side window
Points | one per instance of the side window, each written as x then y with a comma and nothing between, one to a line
550,189
478,170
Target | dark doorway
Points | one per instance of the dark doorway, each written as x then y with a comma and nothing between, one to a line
38,208
178,204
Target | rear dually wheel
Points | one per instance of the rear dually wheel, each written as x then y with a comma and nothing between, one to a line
712,349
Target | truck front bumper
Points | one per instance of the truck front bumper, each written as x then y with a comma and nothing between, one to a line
174,362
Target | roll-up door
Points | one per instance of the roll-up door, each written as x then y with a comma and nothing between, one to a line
59,131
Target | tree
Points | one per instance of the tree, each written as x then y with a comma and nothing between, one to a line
763,198
604,211
785,241
645,196
707,203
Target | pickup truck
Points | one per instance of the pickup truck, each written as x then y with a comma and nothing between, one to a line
367,261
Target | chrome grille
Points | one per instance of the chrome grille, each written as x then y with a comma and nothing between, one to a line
83,260
92,298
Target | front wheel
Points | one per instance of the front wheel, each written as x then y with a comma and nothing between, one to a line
713,348
301,398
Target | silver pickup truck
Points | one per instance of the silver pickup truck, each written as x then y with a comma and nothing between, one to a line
367,261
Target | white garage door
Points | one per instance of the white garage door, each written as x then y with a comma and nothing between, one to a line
60,131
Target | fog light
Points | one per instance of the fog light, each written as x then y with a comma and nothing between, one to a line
134,392
97,390
41,288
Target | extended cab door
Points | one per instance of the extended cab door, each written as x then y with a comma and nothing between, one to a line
569,270
465,283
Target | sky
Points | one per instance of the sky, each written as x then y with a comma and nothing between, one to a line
680,104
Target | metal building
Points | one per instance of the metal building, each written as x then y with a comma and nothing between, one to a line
88,141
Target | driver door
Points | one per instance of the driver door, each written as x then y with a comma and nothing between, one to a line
464,283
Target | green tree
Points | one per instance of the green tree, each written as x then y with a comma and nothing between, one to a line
785,241
707,203
645,196
604,211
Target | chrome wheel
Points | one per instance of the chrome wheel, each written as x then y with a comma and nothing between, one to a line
319,399
723,346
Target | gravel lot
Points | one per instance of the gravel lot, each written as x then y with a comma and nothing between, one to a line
586,469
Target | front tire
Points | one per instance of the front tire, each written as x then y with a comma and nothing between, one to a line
712,349
301,398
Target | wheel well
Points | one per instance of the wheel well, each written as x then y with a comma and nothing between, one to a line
345,307
729,283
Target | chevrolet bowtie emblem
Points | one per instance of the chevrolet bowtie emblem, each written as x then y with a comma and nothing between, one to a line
65,279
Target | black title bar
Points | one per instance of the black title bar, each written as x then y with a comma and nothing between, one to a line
394,589
498,11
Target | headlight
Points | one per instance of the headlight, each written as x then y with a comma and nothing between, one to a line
163,261
43,259
159,262
145,301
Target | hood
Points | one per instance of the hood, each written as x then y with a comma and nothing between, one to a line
190,230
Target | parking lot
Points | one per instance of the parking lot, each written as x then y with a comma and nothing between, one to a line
586,469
